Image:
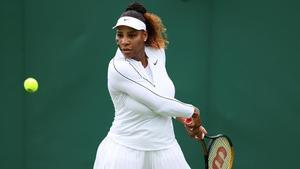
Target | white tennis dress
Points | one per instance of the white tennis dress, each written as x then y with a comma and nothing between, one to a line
142,135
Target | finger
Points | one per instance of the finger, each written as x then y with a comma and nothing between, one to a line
202,136
203,130
188,127
198,138
199,133
197,122
189,131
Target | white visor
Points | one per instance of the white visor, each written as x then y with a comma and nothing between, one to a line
130,22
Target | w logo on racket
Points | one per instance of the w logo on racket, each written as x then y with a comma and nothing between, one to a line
218,161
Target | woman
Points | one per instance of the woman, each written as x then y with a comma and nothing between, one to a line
142,136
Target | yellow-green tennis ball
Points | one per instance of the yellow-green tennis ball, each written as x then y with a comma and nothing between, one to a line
31,85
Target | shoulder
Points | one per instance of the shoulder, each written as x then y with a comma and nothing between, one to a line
120,68
155,53
118,63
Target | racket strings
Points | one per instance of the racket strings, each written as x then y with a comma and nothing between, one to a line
221,154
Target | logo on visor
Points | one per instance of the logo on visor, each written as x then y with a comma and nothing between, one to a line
125,19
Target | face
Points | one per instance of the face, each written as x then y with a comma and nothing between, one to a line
130,41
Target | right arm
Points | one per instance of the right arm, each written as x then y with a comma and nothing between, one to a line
122,77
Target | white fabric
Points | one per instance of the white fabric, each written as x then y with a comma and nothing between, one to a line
142,135
143,109
111,155
149,72
131,22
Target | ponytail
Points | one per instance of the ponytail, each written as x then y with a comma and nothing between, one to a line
157,37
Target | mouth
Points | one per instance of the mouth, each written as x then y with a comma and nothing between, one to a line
126,50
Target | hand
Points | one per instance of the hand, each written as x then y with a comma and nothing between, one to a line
194,126
196,133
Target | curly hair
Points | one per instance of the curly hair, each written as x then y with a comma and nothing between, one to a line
157,37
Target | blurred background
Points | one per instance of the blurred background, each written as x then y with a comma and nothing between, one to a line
237,60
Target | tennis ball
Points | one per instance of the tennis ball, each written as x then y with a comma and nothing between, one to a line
31,85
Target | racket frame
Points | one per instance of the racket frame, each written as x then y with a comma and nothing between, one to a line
206,149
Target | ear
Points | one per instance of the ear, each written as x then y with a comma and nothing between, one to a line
145,36
117,39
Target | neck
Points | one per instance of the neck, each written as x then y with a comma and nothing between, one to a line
142,57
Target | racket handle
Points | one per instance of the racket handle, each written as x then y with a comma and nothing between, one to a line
204,148
205,152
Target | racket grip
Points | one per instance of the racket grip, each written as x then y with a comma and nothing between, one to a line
204,148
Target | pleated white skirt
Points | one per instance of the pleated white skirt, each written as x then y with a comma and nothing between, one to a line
111,155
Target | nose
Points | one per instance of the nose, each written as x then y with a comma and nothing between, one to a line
124,41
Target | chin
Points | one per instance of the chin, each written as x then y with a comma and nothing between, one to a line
127,54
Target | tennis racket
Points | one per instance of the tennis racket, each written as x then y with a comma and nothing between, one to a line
219,153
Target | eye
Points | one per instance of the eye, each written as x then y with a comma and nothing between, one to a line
119,35
132,35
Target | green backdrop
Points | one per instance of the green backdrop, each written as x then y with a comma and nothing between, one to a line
237,60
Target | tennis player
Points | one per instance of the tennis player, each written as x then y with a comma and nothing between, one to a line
142,135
